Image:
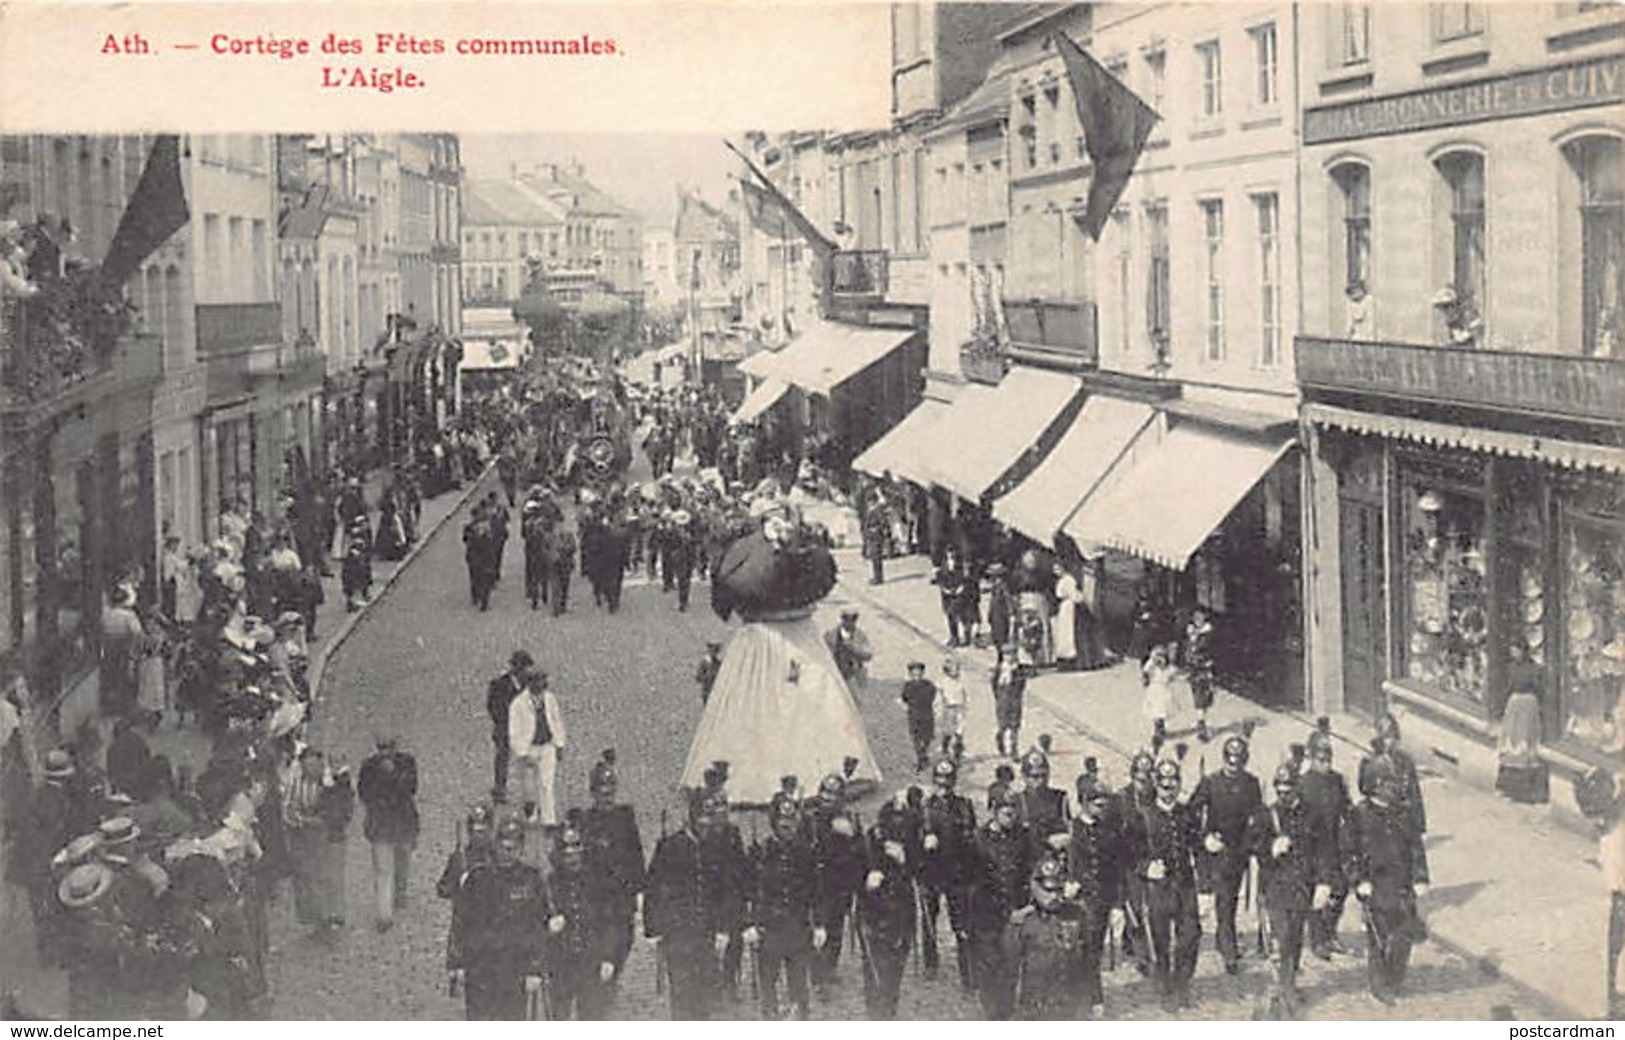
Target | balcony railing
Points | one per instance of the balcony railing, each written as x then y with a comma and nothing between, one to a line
1564,386
860,272
1057,330
224,328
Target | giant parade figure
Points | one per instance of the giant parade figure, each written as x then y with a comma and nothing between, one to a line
779,706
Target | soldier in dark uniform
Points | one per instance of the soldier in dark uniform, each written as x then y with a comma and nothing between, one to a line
1043,808
1046,941
1004,861
838,853
1383,863
1294,877
677,555
536,531
695,903
1326,805
499,925
1138,793
474,849
1386,742
1226,803
479,551
780,914
614,852
887,906
561,565
585,930
612,550
1095,860
947,867
1168,835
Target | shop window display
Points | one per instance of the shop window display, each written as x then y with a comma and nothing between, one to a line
1594,636
1447,593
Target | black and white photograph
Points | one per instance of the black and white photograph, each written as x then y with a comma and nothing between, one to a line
1133,533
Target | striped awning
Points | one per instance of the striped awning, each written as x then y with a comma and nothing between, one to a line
901,451
765,395
1568,454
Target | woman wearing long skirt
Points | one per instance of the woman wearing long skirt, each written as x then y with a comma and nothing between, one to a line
1067,598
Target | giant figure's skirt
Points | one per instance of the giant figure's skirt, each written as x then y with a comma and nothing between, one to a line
779,708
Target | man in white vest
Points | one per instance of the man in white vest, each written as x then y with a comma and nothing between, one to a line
536,736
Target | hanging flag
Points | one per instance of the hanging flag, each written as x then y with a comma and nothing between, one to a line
764,213
1115,125
822,247
156,210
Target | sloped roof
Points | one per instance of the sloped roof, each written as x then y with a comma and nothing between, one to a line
699,221
491,201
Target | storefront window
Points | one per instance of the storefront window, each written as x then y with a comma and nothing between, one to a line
1594,635
1446,591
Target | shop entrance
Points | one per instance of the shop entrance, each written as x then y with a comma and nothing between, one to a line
1364,638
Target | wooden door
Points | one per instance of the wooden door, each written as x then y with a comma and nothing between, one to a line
1364,630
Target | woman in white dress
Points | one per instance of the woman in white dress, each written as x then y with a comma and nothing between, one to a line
1067,597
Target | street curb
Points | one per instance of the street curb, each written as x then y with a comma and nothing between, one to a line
1483,963
318,662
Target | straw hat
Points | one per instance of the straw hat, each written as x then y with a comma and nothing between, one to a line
85,885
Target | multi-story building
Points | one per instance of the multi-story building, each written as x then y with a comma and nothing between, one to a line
661,289
80,411
600,234
706,251
505,229
1463,239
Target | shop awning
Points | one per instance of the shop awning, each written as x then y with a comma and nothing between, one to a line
1165,506
1099,437
826,355
759,365
672,352
1569,454
990,427
900,452
765,395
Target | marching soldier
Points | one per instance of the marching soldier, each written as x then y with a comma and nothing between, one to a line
1384,864
1295,877
536,530
886,909
1046,947
1167,836
585,930
561,564
614,851
695,903
499,926
947,867
837,844
480,549
1140,792
1226,803
1386,742
1004,860
1326,806
677,554
1094,862
1043,808
781,926
474,850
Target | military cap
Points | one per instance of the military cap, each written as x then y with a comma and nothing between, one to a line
1034,764
519,661
1319,744
85,885
945,771
1286,777
570,840
1167,772
1236,751
479,818
510,832
849,612
1049,873
78,850
916,666
1001,797
1143,763
783,807
1383,769
832,786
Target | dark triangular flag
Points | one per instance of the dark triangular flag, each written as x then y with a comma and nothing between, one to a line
822,247
156,210
764,213
1115,125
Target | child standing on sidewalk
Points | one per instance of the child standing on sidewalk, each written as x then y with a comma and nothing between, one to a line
920,697
1157,673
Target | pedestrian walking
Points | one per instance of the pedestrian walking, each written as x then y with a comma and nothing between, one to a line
1095,860
388,786
1001,605
317,808
499,696
356,571
474,848
1327,807
1599,795
1167,835
919,697
951,708
1009,692
677,553
1042,807
1196,659
876,532
536,736
838,856
1068,597
779,913
496,952
614,851
951,581
1003,867
583,932
850,647
948,870
1295,879
1157,704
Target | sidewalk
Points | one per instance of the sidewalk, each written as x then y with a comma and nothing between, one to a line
190,747
1514,893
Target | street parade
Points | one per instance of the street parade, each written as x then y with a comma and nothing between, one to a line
1131,536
